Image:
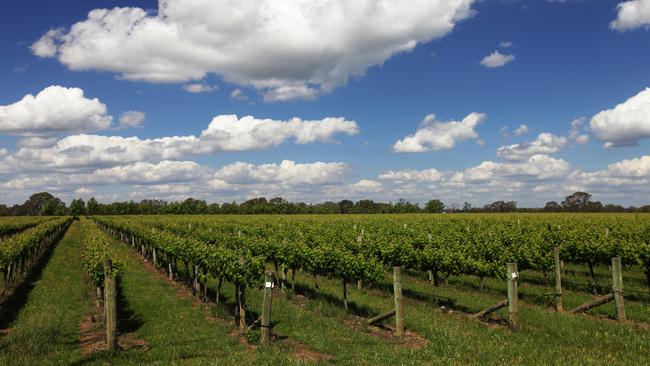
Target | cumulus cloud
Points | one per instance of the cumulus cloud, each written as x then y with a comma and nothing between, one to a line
631,15
53,110
367,186
289,49
37,142
47,45
577,133
626,124
496,59
436,135
199,88
287,172
132,119
545,143
83,191
409,175
148,173
238,94
638,167
521,130
224,133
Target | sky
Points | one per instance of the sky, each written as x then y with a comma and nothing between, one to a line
458,100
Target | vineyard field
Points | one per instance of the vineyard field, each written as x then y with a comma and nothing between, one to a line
202,278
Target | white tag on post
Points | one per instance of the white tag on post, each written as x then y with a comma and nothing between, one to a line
268,285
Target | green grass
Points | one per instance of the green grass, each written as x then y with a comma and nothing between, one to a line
46,329
176,331
313,326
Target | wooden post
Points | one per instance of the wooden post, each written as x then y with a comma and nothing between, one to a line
592,304
617,288
345,295
218,291
399,301
559,303
241,300
155,258
491,309
381,317
171,271
266,308
241,306
513,297
110,305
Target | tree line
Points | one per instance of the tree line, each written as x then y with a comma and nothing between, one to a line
45,204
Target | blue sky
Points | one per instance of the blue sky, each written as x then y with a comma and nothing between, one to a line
385,73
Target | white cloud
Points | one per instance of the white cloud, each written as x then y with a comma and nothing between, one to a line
505,44
504,132
497,59
287,172
367,186
428,175
536,167
37,142
576,133
225,133
238,94
545,143
148,173
638,167
282,47
631,15
435,135
55,109
47,46
132,119
521,130
83,191
200,88
231,133
626,124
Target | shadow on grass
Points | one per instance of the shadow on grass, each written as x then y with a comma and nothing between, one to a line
14,303
127,320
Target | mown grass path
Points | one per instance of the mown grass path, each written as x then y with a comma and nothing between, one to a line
174,328
46,329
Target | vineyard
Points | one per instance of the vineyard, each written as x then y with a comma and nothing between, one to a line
406,287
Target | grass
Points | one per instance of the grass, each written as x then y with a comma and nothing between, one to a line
176,330
48,310
311,327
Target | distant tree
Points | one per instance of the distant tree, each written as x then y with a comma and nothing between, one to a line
345,206
404,206
434,206
92,206
77,207
41,204
552,206
193,206
501,206
613,208
579,201
467,207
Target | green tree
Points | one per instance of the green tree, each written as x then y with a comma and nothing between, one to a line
434,206
93,206
77,207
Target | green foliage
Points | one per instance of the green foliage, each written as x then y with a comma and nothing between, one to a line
364,247
25,242
95,249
